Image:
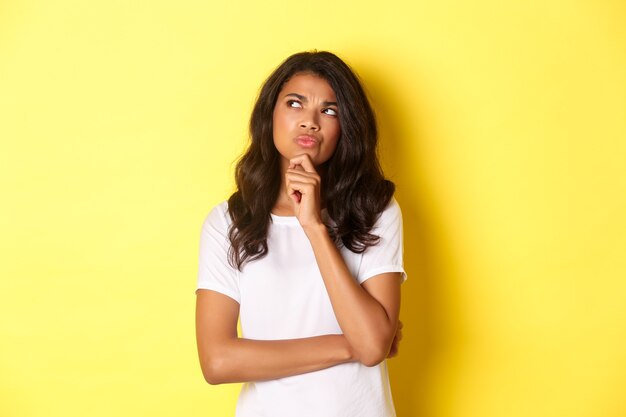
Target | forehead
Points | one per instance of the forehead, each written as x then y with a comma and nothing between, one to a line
309,85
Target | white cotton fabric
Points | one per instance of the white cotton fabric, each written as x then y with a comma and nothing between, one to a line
282,296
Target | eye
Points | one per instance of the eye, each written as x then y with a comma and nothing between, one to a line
294,103
330,112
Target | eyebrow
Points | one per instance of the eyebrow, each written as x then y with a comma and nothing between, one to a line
304,99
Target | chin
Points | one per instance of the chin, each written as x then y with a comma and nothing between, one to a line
313,153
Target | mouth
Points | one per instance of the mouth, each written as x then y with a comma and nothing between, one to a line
306,141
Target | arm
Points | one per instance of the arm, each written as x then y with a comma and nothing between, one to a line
226,358
367,313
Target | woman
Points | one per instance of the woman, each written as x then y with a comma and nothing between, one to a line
307,253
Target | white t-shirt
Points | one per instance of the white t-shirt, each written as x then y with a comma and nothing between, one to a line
282,296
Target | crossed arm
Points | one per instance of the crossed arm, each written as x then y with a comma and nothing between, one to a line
367,313
224,357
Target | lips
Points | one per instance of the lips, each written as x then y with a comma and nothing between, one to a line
306,141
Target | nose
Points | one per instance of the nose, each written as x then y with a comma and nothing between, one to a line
310,121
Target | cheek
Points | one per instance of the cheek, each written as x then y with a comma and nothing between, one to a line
336,134
332,141
275,121
280,122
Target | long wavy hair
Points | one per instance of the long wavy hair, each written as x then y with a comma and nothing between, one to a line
355,189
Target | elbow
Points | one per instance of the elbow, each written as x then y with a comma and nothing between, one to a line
213,371
373,354
212,378
217,363
374,346
372,359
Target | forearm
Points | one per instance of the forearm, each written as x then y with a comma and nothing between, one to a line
368,327
243,360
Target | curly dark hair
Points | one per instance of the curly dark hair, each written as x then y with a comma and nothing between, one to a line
355,189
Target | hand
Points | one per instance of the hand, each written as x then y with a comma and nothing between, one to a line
303,188
396,341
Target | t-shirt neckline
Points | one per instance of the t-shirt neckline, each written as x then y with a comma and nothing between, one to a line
293,219
284,219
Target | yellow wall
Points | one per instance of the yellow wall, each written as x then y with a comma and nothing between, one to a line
503,125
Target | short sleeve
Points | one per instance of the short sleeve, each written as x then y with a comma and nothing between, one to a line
214,271
387,254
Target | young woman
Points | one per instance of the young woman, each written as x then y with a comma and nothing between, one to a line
307,253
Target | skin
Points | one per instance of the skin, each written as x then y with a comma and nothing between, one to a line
367,313
306,106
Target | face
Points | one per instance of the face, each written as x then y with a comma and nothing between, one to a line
306,119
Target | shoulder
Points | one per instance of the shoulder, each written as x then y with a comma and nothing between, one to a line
393,208
218,216
392,214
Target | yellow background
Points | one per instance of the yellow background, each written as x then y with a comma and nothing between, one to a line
503,126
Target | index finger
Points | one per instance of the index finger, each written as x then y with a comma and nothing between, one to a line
305,161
